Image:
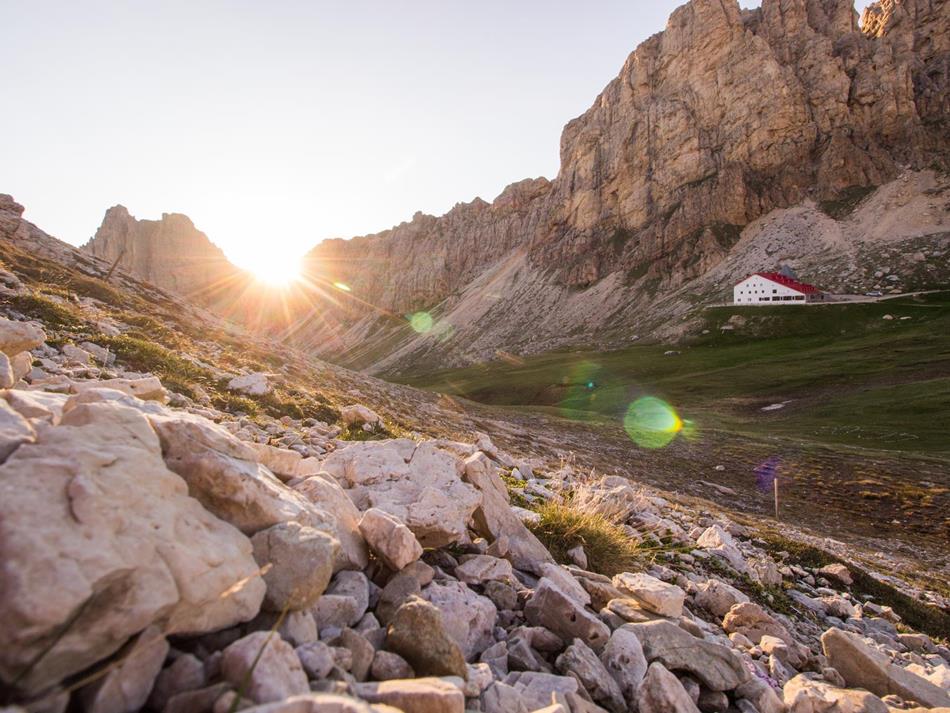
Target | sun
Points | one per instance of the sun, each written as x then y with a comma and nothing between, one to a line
275,269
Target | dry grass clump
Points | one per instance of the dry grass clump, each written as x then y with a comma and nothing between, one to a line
608,547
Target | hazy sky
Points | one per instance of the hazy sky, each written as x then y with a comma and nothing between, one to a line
274,125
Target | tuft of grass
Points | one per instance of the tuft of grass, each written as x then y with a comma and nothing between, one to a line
148,328
609,550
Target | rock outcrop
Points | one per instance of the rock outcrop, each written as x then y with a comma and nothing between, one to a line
170,253
723,117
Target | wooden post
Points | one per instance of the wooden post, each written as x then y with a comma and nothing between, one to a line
115,265
775,489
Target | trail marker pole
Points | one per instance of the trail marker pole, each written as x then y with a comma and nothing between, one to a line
775,490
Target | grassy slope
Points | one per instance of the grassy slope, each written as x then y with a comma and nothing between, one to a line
850,376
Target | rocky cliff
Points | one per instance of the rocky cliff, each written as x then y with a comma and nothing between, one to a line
170,253
724,117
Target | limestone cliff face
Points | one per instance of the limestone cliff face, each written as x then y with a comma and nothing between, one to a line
723,117
170,253
419,263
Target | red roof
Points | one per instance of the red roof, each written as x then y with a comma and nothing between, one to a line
786,281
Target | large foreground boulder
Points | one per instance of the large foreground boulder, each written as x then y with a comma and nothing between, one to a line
99,540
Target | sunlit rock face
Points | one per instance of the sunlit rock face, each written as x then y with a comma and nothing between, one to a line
724,117
718,120
170,253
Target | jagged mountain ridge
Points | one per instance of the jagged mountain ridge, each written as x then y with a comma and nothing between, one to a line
723,117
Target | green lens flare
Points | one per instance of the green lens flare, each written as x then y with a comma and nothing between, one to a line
652,423
421,322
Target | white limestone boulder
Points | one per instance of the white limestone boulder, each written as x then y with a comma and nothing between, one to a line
494,518
469,617
298,561
718,597
100,540
126,687
389,539
22,365
653,594
265,667
358,415
720,543
148,388
16,337
342,518
255,384
863,666
6,372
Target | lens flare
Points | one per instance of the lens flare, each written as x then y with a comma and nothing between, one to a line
652,423
342,286
421,322
588,389
766,473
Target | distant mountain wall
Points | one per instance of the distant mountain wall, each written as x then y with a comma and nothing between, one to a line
724,117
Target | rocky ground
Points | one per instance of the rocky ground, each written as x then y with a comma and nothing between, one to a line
216,537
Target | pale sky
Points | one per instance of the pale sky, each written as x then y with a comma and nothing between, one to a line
274,125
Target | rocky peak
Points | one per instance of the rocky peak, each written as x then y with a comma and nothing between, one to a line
170,253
